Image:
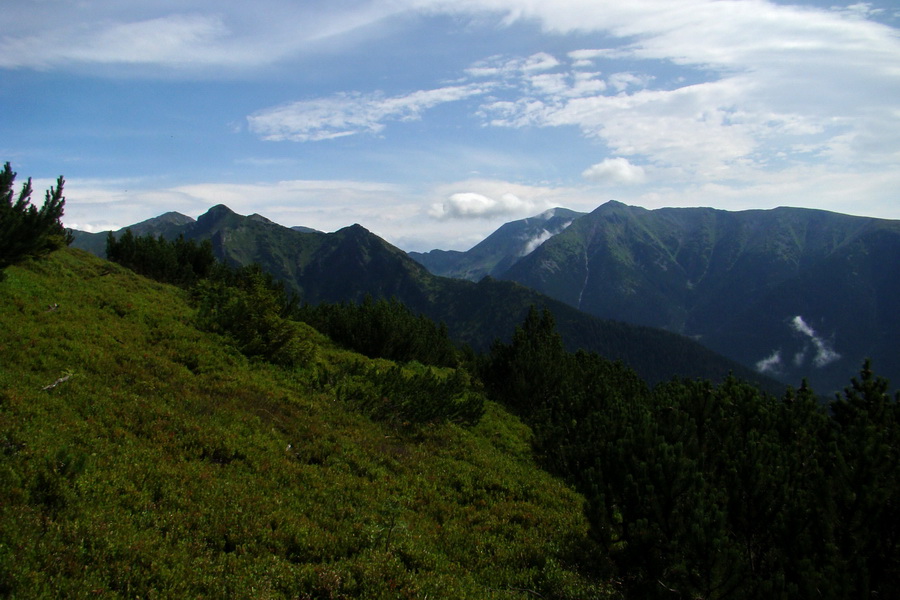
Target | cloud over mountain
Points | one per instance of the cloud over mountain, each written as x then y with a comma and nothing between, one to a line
615,170
469,205
824,354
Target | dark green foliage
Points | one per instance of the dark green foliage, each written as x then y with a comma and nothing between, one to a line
180,262
52,484
866,459
25,230
383,329
249,307
695,490
399,396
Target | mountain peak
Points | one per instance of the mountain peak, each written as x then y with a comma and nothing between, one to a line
169,218
355,229
175,218
219,211
612,205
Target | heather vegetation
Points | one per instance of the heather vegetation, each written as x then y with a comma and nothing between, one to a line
144,456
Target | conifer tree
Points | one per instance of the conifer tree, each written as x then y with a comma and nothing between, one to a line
26,231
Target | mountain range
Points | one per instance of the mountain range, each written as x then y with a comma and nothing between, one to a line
352,263
794,293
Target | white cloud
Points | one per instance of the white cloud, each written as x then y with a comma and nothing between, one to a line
586,57
505,67
615,170
499,201
825,355
539,62
349,113
468,205
623,81
773,78
771,364
734,104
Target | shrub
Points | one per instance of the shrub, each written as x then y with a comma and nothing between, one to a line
249,309
421,396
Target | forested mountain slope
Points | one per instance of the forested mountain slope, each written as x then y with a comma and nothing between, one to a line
794,292
353,263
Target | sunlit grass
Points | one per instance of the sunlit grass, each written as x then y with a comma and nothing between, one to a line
164,463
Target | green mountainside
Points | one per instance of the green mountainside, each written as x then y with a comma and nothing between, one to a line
142,457
500,250
793,292
200,442
352,263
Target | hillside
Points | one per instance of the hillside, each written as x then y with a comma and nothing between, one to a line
353,263
500,250
792,292
142,457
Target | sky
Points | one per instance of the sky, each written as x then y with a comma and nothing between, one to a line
433,122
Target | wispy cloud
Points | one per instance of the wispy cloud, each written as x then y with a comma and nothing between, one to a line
172,39
532,244
824,354
812,344
770,365
193,33
350,113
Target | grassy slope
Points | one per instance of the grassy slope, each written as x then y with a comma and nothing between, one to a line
168,465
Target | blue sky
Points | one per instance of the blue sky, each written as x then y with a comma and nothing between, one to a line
432,122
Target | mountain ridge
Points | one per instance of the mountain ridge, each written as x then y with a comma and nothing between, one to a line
734,280
352,263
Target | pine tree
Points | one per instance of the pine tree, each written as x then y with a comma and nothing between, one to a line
26,231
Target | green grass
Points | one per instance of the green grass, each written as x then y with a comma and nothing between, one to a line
167,464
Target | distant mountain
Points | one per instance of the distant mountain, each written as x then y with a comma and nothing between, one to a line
791,292
163,225
351,263
501,249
